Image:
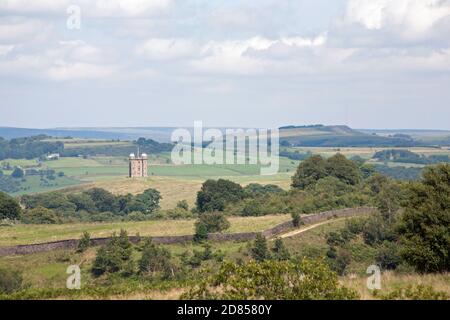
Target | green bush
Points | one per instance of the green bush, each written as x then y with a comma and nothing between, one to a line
424,226
259,251
84,243
272,280
40,215
114,257
9,207
155,261
212,222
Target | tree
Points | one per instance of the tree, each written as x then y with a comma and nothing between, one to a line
309,172
104,200
345,170
9,207
82,201
215,195
18,173
259,250
146,202
272,280
279,251
424,226
210,222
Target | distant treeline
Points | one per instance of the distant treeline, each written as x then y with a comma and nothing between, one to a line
399,173
295,155
145,145
28,148
35,147
406,156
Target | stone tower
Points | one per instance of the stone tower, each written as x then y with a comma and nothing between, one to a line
138,165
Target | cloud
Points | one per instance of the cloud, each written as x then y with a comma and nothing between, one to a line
378,22
167,49
90,8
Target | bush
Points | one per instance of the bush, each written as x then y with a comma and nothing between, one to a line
296,220
259,250
414,292
388,257
213,221
155,260
424,226
84,243
272,280
40,215
9,207
183,204
279,251
114,257
10,281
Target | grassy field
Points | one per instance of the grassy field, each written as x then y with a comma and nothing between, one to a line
27,234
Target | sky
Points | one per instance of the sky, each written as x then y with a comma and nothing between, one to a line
379,64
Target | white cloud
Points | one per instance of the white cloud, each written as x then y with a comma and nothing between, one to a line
167,49
409,18
91,8
61,71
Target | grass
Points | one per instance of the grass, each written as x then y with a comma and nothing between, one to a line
391,280
34,184
28,234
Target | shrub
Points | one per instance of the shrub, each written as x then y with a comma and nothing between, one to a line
183,204
84,243
40,215
9,207
413,292
272,280
296,220
114,256
388,257
259,250
424,226
213,221
155,260
279,251
10,281
201,232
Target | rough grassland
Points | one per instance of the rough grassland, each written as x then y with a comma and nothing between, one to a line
27,234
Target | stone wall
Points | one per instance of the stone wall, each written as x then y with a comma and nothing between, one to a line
245,236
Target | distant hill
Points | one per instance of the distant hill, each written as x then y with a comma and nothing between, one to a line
161,134
309,136
340,136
